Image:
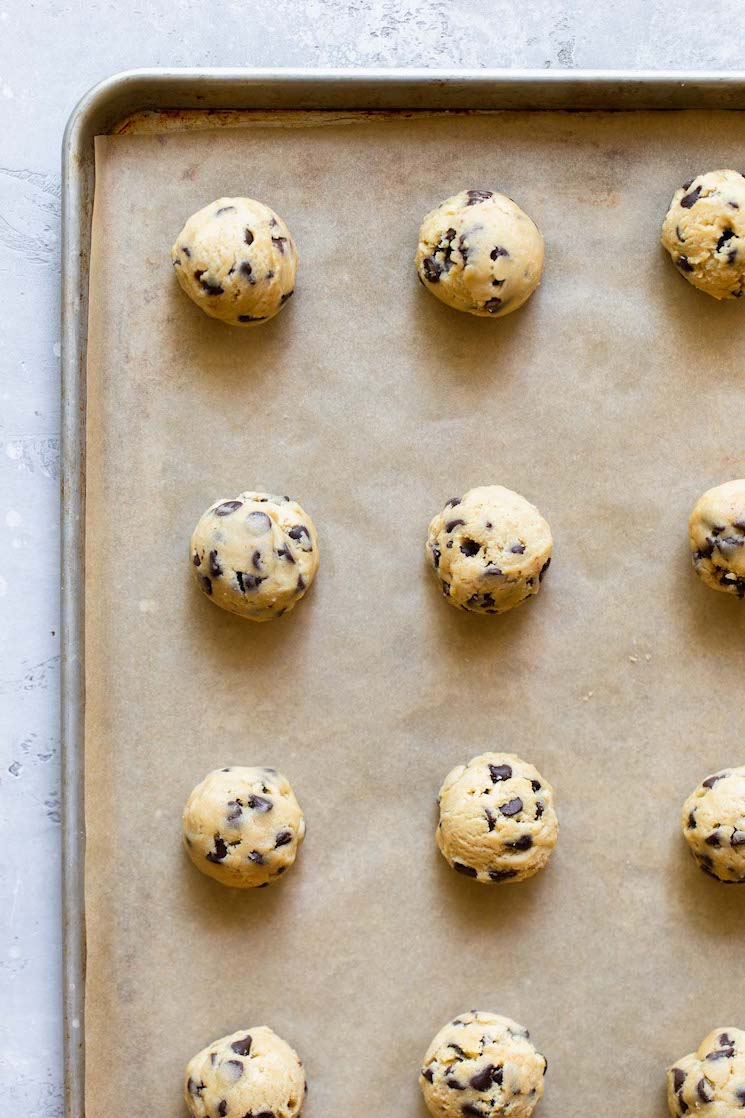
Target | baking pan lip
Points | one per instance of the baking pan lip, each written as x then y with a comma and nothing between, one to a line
98,112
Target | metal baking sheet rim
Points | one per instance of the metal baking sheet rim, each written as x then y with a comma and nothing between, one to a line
101,111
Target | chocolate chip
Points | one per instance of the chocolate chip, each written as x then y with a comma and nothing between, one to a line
215,568
467,871
206,584
740,1095
500,772
235,812
251,318
222,1109
243,1046
245,270
523,843
713,839
256,857
512,807
452,502
248,237
692,821
470,547
492,305
463,249
544,568
227,507
490,818
471,1111
726,1051
518,549
453,524
428,1074
712,780
196,560
285,296
282,839
493,569
207,285
248,582
432,269
446,588
690,199
280,242
258,523
539,809
678,234
684,264
224,210
301,535
193,1087
453,1084
476,196
220,852
285,553
498,251
679,1078
436,555
259,803
483,1079
186,251
726,236
300,583
738,838
236,1068
704,1090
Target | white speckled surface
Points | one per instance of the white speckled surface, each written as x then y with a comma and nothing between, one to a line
51,52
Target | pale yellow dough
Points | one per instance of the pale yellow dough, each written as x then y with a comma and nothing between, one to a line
243,826
250,1074
482,1064
716,530
489,549
478,252
710,1083
713,822
497,819
237,260
704,232
255,555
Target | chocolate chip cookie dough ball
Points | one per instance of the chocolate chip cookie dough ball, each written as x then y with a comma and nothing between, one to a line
237,260
243,826
251,1073
489,549
716,530
481,1064
255,555
710,1083
497,819
704,232
478,252
713,821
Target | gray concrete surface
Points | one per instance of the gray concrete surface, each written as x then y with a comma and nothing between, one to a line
51,51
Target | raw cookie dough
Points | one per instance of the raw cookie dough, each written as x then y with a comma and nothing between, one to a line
243,826
255,555
704,232
713,821
489,549
478,252
237,260
710,1083
716,528
484,1066
497,818
250,1074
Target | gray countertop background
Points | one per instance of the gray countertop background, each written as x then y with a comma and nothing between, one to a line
51,52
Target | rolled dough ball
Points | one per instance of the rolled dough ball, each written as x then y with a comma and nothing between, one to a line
497,819
243,826
482,1065
704,232
255,555
489,549
478,252
713,821
250,1074
710,1083
716,528
237,260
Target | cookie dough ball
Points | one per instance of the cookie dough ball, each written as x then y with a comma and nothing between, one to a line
478,252
704,232
255,555
243,826
713,821
482,1064
489,549
716,528
710,1083
497,819
237,260
250,1073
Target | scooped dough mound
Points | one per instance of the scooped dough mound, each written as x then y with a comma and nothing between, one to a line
237,260
250,1074
497,819
482,1065
243,826
716,528
255,555
710,1083
478,252
713,821
489,549
704,232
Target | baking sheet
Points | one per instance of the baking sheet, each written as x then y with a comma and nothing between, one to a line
611,400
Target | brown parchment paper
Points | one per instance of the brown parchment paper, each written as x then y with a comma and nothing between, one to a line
611,400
